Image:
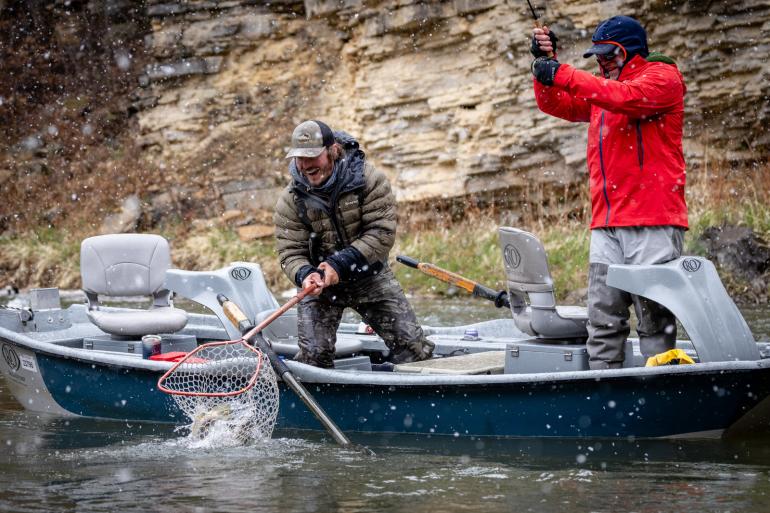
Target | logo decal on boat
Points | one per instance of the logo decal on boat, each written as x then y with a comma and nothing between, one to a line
512,256
11,358
240,273
691,265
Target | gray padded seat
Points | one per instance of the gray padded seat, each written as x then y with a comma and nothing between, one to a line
129,265
530,288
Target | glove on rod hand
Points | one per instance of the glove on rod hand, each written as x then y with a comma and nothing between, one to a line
545,69
543,41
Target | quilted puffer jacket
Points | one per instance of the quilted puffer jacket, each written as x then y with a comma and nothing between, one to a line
354,220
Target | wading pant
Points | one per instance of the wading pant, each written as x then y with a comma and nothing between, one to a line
380,302
608,307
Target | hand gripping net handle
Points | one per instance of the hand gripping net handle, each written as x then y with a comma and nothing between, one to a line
216,369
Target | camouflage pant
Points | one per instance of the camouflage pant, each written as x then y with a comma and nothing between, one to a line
382,305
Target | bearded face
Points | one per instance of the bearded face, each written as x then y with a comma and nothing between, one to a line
610,65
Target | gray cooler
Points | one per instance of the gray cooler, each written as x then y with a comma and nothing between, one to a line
527,357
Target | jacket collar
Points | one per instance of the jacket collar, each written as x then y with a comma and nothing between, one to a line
633,67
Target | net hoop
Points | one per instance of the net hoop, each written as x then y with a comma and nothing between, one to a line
192,359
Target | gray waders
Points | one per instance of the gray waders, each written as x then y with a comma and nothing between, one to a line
608,307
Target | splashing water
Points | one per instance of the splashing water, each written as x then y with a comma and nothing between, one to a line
228,391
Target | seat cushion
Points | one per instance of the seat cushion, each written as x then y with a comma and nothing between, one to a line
573,312
139,322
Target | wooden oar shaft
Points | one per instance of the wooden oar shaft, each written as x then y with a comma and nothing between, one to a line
500,298
447,276
314,407
286,375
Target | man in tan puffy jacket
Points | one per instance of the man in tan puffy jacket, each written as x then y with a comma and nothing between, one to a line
335,225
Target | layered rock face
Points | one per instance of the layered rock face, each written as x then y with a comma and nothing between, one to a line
438,92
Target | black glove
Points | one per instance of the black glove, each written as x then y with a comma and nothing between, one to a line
304,272
544,70
535,48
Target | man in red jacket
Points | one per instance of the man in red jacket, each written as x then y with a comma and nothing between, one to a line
636,165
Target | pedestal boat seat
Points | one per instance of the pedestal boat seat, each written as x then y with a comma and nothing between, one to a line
531,290
126,265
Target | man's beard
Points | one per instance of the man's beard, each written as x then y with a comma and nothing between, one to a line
614,73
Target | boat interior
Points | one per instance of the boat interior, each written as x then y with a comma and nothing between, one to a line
537,336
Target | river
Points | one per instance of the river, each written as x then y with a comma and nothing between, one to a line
54,464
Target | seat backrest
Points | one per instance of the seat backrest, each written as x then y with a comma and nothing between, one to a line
126,264
525,260
529,280
129,265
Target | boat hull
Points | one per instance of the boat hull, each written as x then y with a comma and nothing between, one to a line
697,401
693,405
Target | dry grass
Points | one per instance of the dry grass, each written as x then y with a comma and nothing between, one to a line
467,246
218,247
721,194
42,259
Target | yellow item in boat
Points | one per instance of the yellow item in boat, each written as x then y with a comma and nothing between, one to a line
672,357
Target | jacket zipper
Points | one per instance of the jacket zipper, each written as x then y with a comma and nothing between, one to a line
342,241
639,144
604,174
340,233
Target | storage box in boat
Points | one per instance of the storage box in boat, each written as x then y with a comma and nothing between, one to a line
175,342
542,357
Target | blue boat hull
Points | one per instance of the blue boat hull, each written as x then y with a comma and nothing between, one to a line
616,406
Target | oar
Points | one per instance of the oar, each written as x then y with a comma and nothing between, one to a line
500,298
253,334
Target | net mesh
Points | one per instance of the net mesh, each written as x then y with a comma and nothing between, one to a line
225,387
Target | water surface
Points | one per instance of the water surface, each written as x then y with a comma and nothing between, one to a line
54,464
85,465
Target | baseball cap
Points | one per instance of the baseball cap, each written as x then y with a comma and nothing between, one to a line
309,139
604,49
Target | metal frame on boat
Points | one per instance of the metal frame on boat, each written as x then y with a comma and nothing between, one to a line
488,379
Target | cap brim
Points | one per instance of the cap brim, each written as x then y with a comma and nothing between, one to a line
305,152
600,49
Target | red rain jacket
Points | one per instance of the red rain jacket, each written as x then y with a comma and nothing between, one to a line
635,158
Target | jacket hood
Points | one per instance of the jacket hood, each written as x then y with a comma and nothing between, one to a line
638,64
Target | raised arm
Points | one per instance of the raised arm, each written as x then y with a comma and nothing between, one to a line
657,90
559,103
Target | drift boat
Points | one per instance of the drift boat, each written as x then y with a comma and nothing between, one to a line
525,375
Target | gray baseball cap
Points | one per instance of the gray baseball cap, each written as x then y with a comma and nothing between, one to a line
309,139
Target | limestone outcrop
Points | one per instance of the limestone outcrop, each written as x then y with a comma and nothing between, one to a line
438,92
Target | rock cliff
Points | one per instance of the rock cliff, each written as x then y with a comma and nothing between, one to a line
439,92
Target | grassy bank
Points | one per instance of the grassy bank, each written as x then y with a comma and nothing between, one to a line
471,249
46,258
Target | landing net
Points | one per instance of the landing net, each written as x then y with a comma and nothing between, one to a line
225,387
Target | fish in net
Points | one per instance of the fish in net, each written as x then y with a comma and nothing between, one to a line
225,387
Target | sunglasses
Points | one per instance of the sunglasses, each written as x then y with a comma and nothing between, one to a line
607,57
